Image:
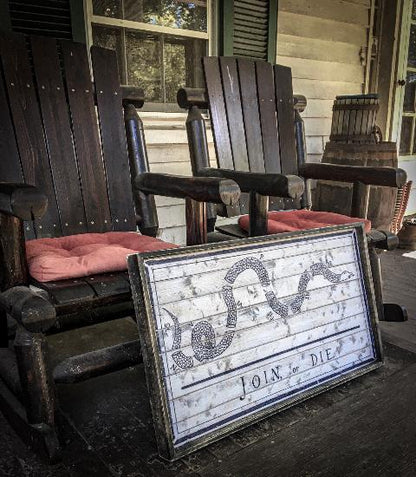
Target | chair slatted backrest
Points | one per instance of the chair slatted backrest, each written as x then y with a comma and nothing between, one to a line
252,117
53,135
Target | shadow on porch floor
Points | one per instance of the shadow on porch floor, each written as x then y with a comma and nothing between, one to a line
364,428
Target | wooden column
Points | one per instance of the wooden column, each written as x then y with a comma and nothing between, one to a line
196,222
35,377
360,200
259,206
13,267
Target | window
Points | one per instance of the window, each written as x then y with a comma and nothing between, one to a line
159,43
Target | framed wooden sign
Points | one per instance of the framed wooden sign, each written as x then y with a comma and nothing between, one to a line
234,331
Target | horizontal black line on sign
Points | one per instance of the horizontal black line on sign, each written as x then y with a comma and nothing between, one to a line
268,357
318,381
266,262
248,329
263,387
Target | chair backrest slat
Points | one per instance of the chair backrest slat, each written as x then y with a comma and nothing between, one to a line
58,135
113,138
219,119
231,87
250,105
28,126
268,118
218,113
252,117
86,136
286,118
10,169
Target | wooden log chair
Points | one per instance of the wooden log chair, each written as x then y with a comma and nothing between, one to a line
260,143
70,203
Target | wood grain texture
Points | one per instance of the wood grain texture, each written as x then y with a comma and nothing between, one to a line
113,137
86,137
56,121
27,121
254,339
284,102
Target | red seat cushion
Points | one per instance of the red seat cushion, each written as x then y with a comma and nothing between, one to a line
81,255
294,220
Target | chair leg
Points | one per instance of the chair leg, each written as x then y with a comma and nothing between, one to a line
37,392
386,311
4,336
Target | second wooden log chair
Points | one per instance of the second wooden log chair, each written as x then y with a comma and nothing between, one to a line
71,199
259,142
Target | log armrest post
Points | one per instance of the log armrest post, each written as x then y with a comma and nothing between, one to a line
145,204
196,222
259,206
198,152
35,377
360,200
13,265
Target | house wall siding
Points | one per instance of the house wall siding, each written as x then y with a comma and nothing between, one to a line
324,42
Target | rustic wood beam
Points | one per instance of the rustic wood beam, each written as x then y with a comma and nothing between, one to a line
28,308
22,200
278,185
383,176
206,189
96,363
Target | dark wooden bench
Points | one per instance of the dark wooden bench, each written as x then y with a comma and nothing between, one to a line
64,170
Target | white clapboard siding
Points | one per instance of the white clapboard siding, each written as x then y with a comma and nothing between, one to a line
324,42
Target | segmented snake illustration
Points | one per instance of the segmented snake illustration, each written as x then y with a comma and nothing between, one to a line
203,340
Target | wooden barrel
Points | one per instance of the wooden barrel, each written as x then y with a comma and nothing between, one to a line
336,196
353,118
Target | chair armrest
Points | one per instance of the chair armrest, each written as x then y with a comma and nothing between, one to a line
382,239
203,189
277,185
382,176
22,200
28,308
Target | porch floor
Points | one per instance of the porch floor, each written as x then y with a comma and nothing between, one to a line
364,428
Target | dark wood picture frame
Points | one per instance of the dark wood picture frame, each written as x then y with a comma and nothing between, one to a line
147,301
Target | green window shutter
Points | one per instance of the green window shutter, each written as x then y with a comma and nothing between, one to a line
41,17
249,28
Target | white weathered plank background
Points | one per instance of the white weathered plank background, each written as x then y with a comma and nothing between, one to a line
334,317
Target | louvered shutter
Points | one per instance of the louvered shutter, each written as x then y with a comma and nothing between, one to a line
41,17
249,29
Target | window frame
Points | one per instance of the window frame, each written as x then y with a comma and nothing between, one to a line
128,25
